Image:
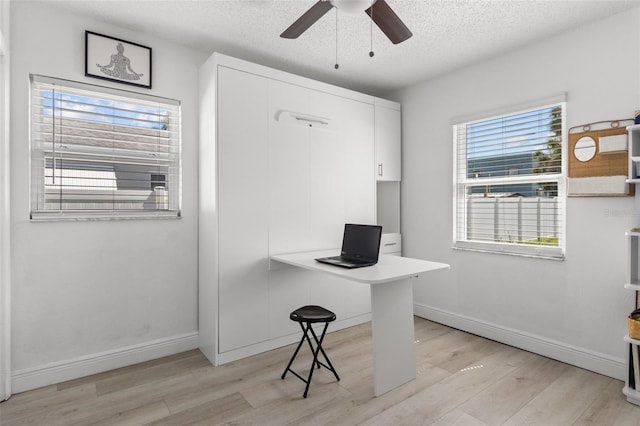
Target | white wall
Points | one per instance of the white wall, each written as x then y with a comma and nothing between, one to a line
574,310
99,294
5,237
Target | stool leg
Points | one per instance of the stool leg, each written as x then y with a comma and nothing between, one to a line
306,334
321,349
314,363
315,351
294,355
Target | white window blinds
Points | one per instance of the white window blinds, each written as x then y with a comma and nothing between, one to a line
510,183
102,152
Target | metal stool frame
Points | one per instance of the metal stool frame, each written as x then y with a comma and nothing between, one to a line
316,362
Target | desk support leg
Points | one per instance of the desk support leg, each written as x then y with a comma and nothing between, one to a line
394,358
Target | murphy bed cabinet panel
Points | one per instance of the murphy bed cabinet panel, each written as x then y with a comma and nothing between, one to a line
242,203
285,161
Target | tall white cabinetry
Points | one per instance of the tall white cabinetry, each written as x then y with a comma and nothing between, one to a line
388,173
387,128
284,162
632,381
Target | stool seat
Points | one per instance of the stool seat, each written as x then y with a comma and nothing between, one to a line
312,314
305,316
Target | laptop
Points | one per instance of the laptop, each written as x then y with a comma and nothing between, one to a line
360,247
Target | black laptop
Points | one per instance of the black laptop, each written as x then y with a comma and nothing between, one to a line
360,247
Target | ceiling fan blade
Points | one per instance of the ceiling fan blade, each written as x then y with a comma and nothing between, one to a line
309,18
387,20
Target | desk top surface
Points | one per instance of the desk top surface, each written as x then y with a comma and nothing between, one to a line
388,268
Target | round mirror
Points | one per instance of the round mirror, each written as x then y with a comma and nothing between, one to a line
585,149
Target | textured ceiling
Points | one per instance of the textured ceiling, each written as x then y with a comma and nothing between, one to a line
447,34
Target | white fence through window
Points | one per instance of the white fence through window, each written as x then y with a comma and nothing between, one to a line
528,220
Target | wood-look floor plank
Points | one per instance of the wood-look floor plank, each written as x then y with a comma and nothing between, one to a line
462,379
609,409
458,418
506,396
211,413
140,415
148,374
123,371
563,401
25,410
430,404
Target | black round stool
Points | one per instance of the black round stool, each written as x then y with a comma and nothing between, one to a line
305,316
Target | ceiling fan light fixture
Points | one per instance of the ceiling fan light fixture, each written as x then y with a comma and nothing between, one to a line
351,6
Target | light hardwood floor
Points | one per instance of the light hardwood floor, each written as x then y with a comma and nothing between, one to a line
462,380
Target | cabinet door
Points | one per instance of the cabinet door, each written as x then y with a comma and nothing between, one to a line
242,204
387,135
306,171
320,177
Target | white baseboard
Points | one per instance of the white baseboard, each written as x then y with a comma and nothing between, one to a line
580,357
279,342
32,378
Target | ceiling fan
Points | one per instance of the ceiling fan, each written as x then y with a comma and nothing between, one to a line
379,11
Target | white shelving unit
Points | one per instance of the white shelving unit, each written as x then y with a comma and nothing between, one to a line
632,382
388,173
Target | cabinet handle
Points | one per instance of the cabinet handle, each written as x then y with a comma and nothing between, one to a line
379,169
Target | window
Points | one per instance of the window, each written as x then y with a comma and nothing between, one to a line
509,195
98,152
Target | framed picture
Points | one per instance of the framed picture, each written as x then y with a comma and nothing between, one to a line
118,60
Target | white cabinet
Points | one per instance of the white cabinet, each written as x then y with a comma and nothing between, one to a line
391,243
242,203
632,379
321,157
284,162
634,153
388,136
388,167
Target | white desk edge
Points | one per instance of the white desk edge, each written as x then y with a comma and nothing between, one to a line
388,268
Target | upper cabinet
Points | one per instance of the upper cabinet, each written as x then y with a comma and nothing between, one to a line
387,140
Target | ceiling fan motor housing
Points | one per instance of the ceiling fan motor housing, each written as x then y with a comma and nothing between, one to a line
352,6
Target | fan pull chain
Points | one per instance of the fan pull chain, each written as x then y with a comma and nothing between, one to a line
336,66
371,28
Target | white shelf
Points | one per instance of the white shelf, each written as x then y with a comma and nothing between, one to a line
630,340
633,249
633,396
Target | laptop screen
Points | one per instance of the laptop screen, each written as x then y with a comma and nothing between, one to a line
361,241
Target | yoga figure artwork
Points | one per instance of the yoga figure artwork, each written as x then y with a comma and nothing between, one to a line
120,66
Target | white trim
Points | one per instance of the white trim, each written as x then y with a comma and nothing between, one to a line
580,357
461,184
5,224
115,92
279,342
32,378
505,110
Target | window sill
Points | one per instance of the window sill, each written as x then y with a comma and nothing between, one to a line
57,216
538,252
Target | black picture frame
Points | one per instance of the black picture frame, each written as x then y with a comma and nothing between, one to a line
114,59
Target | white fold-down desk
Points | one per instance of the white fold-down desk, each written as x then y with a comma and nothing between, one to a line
394,359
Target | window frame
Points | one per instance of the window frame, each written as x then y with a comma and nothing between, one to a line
40,151
518,249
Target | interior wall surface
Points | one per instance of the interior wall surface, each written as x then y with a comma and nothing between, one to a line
574,309
5,229
95,289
